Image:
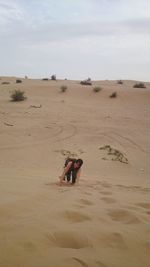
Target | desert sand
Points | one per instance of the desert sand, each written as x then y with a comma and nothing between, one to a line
105,220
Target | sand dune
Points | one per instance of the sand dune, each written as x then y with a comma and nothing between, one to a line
105,220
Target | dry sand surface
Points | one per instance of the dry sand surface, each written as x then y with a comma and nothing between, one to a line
105,220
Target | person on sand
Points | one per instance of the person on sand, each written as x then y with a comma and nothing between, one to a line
72,172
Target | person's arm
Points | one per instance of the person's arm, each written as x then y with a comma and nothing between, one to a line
78,176
66,169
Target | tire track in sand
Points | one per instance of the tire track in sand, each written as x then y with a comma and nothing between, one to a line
68,131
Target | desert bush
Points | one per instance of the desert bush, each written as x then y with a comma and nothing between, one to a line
5,82
63,88
45,79
17,95
53,77
86,82
139,85
120,82
113,95
18,81
97,89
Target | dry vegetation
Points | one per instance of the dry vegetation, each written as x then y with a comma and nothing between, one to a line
18,95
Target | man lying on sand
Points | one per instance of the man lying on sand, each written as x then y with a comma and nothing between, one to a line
72,172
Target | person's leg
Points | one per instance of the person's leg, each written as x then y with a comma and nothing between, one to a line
74,176
68,176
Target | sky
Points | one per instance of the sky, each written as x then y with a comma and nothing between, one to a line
75,39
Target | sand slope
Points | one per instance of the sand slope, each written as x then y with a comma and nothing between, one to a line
103,222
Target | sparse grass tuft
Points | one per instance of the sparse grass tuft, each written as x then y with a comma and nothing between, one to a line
5,82
18,95
86,82
53,77
97,89
18,81
120,82
113,95
139,85
63,88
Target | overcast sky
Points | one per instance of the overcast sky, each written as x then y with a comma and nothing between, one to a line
75,39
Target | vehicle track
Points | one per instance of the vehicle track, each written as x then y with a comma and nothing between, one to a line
118,138
60,133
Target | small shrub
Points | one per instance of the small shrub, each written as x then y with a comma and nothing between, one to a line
86,82
63,88
120,82
53,77
18,81
113,95
45,79
5,82
18,95
139,85
97,89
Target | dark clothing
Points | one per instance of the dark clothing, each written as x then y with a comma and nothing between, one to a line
72,173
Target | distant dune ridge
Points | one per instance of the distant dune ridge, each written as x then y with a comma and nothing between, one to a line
105,220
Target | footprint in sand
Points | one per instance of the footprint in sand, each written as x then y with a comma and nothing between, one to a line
123,216
106,185
106,193
100,264
147,245
108,200
68,239
75,216
85,202
114,240
84,264
143,205
132,207
29,246
133,188
87,193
